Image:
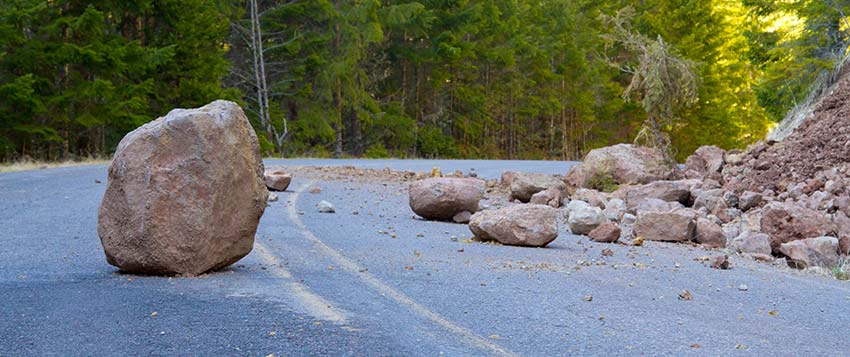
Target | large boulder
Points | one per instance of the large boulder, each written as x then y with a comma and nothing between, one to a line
277,180
672,226
811,252
786,222
620,164
584,218
525,225
525,185
441,198
185,193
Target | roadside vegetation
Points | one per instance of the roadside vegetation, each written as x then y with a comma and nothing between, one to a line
503,79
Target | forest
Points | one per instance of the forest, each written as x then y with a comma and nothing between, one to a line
501,79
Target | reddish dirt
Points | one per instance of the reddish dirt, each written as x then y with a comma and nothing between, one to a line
821,143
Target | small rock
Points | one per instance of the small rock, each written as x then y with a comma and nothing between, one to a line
273,197
743,287
607,232
315,190
277,180
550,196
686,295
673,226
720,262
709,234
326,207
752,243
607,252
462,217
97,181
584,218
588,298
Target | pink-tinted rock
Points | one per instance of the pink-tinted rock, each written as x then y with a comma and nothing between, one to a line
525,185
442,198
507,179
277,180
605,233
592,197
786,222
185,193
623,163
550,197
709,234
751,243
707,160
811,252
673,226
668,191
525,225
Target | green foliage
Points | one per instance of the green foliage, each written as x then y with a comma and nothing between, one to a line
414,78
377,151
75,76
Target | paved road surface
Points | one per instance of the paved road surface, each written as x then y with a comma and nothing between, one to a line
334,284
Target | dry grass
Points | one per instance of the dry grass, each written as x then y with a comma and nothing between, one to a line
28,165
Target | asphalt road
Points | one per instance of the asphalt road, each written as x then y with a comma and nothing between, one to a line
381,282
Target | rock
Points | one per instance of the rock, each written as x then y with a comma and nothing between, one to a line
277,180
462,217
614,209
524,225
720,262
525,185
272,197
656,205
629,219
749,200
442,198
731,199
185,193
811,252
507,179
709,234
673,226
786,222
751,243
621,164
668,191
326,207
550,197
743,287
592,197
584,218
705,161
844,246
710,199
436,172
605,233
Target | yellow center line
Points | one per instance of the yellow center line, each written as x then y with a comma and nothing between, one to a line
466,335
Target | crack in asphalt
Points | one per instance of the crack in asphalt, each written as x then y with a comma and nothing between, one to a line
385,290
